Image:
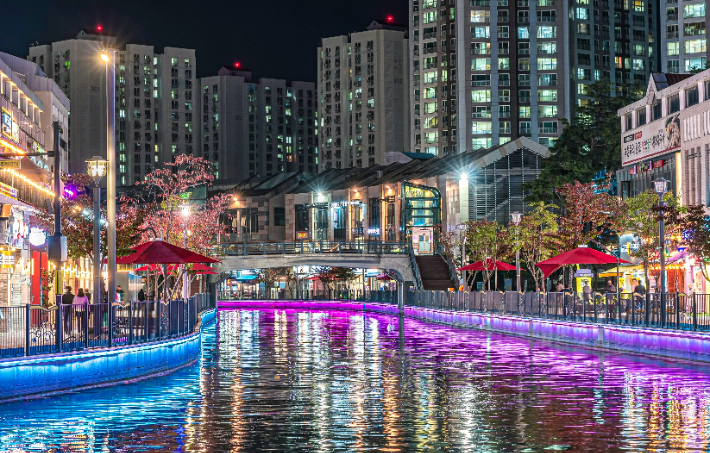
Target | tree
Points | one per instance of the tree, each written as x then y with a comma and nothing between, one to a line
693,224
588,211
165,191
268,276
345,274
487,241
327,275
536,238
589,143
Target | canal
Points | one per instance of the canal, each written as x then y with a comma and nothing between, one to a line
287,380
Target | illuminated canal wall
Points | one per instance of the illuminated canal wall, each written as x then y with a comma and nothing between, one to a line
675,344
46,374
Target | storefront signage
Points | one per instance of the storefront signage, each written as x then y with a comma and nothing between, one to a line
658,137
37,148
302,235
9,163
358,230
6,124
8,190
341,204
37,236
373,231
647,166
7,259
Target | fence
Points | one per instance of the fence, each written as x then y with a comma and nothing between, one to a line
682,311
281,294
33,330
306,247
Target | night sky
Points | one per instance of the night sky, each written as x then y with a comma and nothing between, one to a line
273,38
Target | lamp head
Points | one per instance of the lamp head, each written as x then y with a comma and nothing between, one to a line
96,167
517,218
104,56
660,185
185,209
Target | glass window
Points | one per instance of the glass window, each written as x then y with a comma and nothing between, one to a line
695,46
546,64
481,64
694,28
481,142
691,96
524,111
697,10
481,96
547,48
692,64
673,48
547,95
523,33
673,103
547,31
481,32
547,111
640,117
481,127
480,16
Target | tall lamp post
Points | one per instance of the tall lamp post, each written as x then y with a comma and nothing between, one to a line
185,209
109,57
97,169
517,218
661,187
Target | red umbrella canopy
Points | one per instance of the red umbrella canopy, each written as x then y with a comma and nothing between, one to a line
580,255
161,252
487,265
383,277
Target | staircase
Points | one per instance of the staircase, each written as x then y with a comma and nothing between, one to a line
434,272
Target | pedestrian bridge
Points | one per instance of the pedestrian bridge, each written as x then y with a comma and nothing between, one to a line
369,255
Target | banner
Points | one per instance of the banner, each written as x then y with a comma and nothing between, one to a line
656,138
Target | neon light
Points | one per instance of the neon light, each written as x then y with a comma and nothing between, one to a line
29,181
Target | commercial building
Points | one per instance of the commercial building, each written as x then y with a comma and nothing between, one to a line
363,96
667,135
683,39
29,103
485,72
156,100
257,127
405,200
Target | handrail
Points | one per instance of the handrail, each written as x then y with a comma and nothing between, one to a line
310,247
451,267
418,286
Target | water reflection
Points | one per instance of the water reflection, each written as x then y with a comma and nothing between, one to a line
343,381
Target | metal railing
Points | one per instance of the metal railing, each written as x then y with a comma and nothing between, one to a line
33,330
415,268
683,311
389,297
306,247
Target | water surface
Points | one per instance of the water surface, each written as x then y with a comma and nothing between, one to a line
285,380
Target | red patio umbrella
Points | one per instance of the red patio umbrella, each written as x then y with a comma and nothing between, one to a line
383,277
487,265
580,255
158,251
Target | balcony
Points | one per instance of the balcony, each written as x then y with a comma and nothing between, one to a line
672,17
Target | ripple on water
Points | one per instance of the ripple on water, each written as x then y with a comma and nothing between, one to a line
285,380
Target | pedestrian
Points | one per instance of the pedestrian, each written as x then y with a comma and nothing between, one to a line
587,291
119,294
79,304
559,287
610,288
141,295
67,300
88,294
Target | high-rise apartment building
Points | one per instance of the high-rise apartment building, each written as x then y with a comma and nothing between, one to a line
683,40
363,101
257,127
156,101
487,71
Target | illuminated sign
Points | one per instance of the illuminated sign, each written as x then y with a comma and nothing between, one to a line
9,163
6,189
373,231
302,235
6,123
37,236
7,259
341,204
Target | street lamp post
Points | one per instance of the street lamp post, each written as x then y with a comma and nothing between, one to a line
462,229
109,57
517,218
97,170
661,187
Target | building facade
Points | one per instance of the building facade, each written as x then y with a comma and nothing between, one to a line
667,135
363,96
258,127
683,35
484,72
29,103
157,103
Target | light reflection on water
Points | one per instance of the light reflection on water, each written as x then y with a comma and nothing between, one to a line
285,380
